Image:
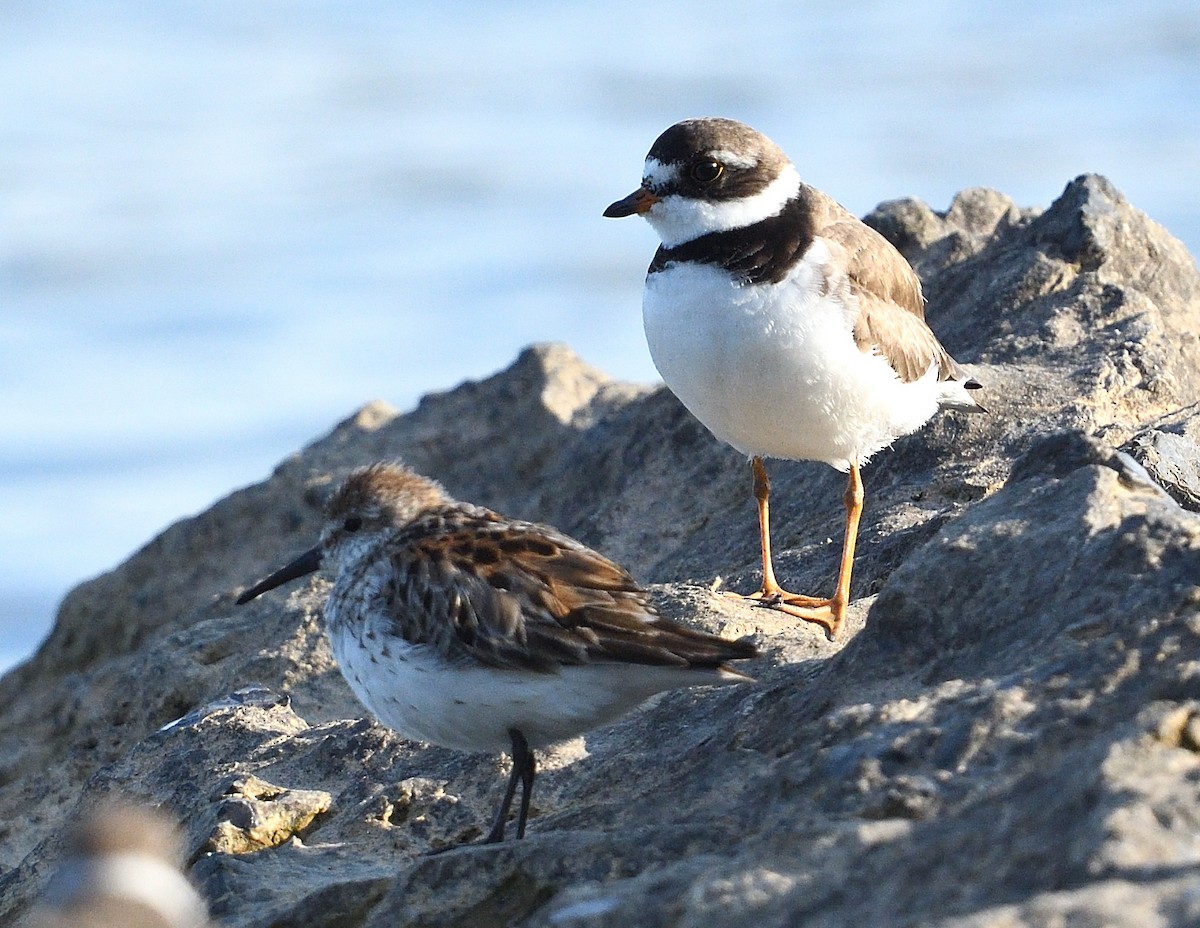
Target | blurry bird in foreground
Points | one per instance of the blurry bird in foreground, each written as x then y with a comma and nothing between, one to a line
120,872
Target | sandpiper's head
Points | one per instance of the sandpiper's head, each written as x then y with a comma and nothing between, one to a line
372,503
709,175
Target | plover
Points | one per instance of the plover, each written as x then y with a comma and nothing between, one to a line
459,627
120,869
789,328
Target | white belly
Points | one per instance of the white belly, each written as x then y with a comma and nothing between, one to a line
777,374
413,691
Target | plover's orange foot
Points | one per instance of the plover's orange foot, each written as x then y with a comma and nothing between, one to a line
807,608
805,602
758,598
778,597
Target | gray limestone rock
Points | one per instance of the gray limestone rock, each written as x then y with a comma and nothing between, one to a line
1009,734
1170,450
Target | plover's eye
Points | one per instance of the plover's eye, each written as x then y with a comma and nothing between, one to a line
707,170
352,523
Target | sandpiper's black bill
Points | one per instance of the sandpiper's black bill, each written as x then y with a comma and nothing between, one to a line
306,563
637,202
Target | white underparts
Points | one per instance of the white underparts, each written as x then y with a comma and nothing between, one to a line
773,370
420,694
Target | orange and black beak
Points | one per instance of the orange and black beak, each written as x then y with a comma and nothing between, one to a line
638,202
306,563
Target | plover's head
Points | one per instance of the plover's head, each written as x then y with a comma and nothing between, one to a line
709,175
372,504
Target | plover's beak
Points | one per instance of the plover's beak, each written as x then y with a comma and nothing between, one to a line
638,202
306,563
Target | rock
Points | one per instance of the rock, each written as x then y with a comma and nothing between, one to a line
1007,735
255,815
1170,451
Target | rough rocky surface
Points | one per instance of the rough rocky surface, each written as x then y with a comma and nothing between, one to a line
1009,734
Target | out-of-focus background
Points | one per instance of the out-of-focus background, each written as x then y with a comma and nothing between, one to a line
225,225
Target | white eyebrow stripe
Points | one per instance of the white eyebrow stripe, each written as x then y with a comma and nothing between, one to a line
734,160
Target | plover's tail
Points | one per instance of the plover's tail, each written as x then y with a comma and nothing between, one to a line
958,392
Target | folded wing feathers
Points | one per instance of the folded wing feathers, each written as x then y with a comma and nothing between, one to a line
891,316
530,598
907,343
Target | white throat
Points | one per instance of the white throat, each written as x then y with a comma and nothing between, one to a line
352,550
679,219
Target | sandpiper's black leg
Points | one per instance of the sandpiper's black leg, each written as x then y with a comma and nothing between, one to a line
497,832
528,772
522,771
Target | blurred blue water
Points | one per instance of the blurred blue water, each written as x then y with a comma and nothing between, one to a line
224,226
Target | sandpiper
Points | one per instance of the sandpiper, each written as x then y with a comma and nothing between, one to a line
789,328
459,627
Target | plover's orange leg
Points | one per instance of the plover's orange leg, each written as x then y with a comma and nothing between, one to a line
771,590
830,614
770,593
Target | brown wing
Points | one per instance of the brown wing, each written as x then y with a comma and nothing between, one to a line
907,343
524,596
891,318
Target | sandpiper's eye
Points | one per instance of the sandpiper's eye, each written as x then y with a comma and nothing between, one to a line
707,170
352,523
